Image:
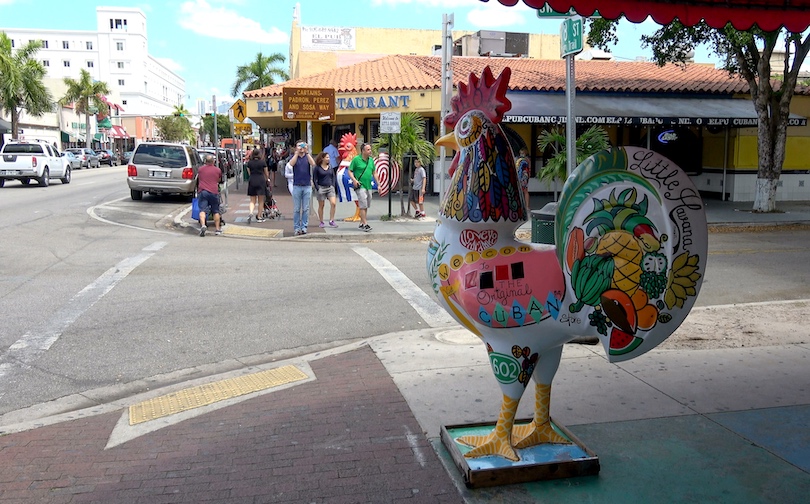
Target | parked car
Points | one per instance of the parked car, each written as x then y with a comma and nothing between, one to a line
126,156
163,168
88,157
27,160
71,160
108,157
224,162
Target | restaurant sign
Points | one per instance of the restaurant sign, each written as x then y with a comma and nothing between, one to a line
645,121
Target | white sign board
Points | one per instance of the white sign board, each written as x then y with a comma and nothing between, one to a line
320,38
390,122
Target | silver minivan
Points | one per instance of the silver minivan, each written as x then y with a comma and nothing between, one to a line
163,168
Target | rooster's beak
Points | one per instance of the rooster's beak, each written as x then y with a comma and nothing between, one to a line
448,141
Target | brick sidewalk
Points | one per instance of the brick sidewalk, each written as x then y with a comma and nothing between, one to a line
347,437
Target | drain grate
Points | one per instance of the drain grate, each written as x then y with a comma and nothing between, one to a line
203,395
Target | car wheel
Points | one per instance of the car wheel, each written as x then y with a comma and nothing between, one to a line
136,195
45,179
66,178
25,181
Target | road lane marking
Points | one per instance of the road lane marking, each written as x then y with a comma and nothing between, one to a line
92,213
433,314
33,344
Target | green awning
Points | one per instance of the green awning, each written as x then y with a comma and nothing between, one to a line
65,137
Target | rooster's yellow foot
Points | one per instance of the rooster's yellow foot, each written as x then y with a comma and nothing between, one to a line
532,434
489,445
354,218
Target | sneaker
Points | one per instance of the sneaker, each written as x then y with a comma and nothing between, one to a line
332,224
297,232
362,227
321,224
218,232
260,219
203,230
303,231
366,228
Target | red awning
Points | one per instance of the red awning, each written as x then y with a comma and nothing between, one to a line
769,15
118,132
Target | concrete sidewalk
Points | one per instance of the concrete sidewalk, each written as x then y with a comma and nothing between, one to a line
723,425
724,214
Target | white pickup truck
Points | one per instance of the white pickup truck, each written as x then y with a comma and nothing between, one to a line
25,160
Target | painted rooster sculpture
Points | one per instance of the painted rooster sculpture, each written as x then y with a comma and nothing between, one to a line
631,247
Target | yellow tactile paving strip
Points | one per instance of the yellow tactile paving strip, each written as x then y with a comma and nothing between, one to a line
203,395
256,232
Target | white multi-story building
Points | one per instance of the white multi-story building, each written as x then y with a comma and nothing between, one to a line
116,53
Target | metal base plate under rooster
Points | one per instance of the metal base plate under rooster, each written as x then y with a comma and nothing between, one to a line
631,244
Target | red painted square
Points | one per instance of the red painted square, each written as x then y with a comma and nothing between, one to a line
502,272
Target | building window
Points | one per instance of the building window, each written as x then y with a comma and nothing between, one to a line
89,64
12,42
65,63
46,63
120,64
65,44
44,44
88,45
119,46
123,102
120,82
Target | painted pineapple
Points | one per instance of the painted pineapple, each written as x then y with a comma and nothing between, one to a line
525,301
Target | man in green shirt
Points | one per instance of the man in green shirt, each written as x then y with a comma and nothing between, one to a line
361,171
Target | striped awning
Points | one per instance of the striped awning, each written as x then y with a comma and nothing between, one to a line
118,132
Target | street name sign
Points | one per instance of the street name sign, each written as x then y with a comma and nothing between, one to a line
571,36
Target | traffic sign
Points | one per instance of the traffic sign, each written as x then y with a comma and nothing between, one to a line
242,129
547,12
307,104
390,122
571,36
238,110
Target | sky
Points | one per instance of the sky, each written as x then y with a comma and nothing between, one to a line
204,41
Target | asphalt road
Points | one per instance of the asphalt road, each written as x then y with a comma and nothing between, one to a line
98,290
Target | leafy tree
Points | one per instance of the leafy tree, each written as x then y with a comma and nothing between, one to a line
593,140
175,128
223,126
21,86
745,53
86,94
259,73
410,139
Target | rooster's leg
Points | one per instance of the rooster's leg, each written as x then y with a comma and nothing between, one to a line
356,216
539,430
497,442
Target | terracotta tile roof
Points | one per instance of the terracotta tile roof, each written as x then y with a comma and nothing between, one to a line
399,72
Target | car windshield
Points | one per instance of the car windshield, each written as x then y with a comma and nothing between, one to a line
22,149
168,156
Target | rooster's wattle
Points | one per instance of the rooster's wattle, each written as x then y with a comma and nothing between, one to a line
631,236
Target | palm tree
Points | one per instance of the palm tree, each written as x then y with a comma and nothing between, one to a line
593,140
180,111
259,73
410,139
86,94
21,86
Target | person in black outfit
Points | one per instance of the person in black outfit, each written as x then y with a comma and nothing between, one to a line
257,184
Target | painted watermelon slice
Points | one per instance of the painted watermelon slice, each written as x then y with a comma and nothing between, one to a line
622,342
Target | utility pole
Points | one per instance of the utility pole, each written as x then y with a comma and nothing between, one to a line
447,88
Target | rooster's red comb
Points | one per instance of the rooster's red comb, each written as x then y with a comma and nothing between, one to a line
486,94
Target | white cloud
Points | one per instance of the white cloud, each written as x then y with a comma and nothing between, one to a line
219,22
430,3
495,15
